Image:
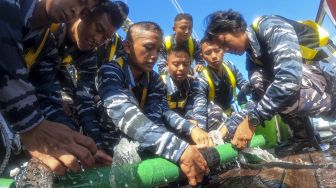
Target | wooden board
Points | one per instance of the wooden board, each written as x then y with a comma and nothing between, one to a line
325,177
302,178
237,177
282,178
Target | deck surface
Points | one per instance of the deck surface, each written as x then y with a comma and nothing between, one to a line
283,178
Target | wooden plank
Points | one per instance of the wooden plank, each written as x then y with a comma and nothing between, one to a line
302,178
272,177
325,177
237,177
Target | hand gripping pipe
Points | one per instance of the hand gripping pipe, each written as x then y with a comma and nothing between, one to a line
147,173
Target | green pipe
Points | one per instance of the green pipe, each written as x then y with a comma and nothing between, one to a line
6,182
147,173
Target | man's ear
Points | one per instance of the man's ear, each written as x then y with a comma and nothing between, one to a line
174,28
127,46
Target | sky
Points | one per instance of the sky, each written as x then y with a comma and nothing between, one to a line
163,13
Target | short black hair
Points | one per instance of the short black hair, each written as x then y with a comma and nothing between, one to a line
117,12
183,16
178,49
205,39
146,26
224,21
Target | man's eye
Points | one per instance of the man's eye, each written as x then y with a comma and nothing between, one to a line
148,47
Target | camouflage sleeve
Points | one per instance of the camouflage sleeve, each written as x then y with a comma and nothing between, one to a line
156,108
44,76
84,102
284,48
199,101
162,60
197,54
121,106
18,102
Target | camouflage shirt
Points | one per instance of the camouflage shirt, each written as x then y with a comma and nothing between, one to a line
283,67
45,77
224,95
18,102
77,76
123,117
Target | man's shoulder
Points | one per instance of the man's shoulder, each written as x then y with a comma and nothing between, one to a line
111,67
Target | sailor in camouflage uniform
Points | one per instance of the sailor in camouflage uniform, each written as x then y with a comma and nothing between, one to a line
183,24
18,101
179,87
81,56
216,90
178,84
134,104
278,51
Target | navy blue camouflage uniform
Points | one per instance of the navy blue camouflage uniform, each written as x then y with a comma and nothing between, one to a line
77,73
78,81
122,115
45,77
213,115
282,81
223,96
18,102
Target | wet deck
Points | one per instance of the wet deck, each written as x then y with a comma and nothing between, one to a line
278,177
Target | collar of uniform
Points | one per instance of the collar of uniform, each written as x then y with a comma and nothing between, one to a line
172,88
131,79
253,40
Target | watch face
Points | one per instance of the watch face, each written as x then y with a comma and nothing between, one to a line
253,120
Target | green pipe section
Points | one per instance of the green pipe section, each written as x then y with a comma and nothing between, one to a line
147,173
6,182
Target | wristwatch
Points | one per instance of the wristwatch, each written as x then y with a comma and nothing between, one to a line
253,119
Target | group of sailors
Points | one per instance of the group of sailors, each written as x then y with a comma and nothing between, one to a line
72,88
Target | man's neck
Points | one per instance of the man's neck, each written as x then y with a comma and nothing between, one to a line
219,70
40,17
178,41
178,84
136,73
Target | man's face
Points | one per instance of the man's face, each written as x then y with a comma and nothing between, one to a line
144,49
213,54
233,43
93,31
68,10
182,29
178,65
